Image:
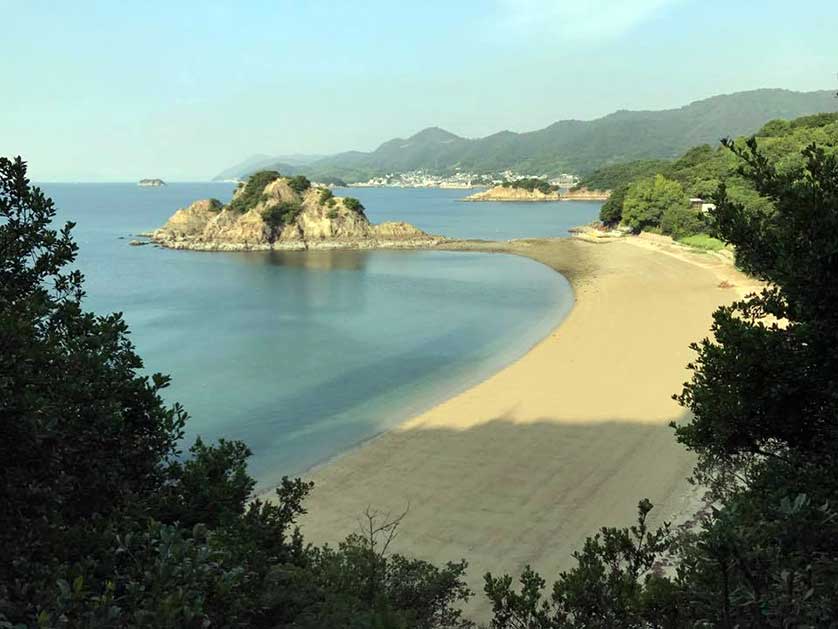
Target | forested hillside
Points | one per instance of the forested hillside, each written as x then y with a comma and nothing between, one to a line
573,146
700,170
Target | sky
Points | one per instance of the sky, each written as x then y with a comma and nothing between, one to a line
121,90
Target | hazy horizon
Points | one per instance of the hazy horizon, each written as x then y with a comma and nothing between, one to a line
101,92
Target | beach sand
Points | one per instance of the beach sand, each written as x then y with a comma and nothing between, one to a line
522,467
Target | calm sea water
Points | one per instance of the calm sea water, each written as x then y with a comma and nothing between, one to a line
442,212
304,354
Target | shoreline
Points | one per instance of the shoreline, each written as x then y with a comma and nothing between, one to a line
520,467
457,246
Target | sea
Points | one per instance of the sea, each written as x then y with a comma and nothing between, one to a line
303,355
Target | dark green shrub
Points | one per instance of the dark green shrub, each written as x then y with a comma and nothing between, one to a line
332,214
678,221
325,195
253,189
353,205
282,214
299,184
530,184
611,212
647,199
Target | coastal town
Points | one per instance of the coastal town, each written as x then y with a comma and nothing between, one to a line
459,180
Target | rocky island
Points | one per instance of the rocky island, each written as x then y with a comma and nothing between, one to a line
275,212
153,183
519,190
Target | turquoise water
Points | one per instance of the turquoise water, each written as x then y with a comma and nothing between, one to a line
305,354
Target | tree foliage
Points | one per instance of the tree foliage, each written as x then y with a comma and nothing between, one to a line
250,195
531,184
282,213
104,522
611,212
604,589
647,200
326,195
701,169
299,184
353,205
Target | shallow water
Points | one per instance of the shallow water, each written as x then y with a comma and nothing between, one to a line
304,354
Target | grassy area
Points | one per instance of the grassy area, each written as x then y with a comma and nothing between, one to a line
702,241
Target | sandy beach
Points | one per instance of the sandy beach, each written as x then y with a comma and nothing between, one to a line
522,467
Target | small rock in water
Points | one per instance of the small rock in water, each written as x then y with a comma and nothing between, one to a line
139,243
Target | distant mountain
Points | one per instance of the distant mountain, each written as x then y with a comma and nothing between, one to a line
282,163
578,146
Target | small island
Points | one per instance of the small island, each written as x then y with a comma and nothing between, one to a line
151,183
527,190
270,211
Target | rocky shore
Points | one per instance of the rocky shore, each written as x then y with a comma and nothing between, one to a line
507,193
284,214
583,194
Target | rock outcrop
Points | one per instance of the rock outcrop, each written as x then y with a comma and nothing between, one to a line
508,193
284,214
583,194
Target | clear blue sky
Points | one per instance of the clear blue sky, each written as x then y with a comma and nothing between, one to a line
122,90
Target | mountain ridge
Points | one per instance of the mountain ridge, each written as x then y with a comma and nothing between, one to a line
578,146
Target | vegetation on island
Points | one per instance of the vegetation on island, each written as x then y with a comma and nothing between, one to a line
326,197
250,193
531,184
299,184
106,523
353,205
215,205
283,213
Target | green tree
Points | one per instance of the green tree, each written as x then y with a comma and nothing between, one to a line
282,213
248,197
679,221
646,201
611,212
353,205
530,184
299,184
326,195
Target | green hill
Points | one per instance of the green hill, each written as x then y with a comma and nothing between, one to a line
574,145
701,169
